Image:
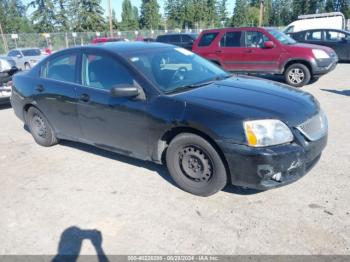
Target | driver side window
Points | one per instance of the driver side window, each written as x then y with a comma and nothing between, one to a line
255,39
103,72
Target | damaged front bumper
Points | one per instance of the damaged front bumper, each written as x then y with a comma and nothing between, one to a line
275,166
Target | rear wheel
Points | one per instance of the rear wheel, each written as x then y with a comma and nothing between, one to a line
297,75
40,128
195,165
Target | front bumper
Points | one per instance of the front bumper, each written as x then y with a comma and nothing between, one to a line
266,168
323,66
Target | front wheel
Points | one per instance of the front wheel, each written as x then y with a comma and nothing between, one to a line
195,165
40,128
297,75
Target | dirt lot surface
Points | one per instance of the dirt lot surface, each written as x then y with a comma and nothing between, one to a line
54,198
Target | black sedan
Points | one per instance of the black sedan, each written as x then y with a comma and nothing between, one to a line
165,104
338,40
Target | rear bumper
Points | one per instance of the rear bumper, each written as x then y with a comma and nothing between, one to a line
266,168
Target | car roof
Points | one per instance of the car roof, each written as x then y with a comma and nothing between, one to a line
230,28
24,48
318,29
122,47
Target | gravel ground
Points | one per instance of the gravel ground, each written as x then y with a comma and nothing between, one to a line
71,195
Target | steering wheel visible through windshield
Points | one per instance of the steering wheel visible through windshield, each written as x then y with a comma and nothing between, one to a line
176,69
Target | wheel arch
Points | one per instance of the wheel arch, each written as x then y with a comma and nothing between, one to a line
170,134
298,61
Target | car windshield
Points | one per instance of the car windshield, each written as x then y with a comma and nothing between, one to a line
176,69
281,37
31,52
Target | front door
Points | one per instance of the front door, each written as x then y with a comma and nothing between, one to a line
258,58
339,42
114,123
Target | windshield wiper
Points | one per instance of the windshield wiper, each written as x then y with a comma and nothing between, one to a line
200,84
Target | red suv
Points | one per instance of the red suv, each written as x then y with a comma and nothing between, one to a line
267,51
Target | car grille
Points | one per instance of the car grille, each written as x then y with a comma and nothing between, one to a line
315,127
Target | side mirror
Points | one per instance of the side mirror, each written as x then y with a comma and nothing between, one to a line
128,91
269,44
18,56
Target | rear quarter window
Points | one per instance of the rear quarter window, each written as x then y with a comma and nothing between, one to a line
207,39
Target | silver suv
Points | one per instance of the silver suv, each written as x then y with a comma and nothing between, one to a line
26,58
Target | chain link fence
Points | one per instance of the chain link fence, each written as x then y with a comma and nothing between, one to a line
57,41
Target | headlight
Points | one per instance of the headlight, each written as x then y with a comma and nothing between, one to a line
267,132
319,54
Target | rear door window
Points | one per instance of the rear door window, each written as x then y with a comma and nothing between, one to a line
334,36
174,38
231,39
61,68
207,39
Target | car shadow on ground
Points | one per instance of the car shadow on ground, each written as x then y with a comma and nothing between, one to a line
71,241
339,92
160,169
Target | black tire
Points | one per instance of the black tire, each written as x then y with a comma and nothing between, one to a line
297,75
195,165
40,128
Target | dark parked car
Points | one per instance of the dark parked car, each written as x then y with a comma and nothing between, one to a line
267,51
7,70
183,40
338,40
165,104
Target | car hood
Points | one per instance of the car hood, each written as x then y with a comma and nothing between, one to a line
253,98
310,46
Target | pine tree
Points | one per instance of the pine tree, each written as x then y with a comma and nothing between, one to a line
88,16
43,16
239,17
150,16
222,12
129,16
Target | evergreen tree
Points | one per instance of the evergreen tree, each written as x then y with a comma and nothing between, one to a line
43,16
13,17
129,16
150,17
88,16
239,17
62,15
222,12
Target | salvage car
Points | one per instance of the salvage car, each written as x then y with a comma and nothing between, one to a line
165,104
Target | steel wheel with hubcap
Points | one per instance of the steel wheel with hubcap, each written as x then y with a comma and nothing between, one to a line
195,165
297,75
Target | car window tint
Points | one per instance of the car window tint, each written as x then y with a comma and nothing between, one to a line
162,38
104,72
207,39
186,38
13,53
31,52
334,36
62,68
255,39
174,38
231,39
313,36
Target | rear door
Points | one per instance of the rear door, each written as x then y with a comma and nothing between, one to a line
55,93
256,57
231,51
339,42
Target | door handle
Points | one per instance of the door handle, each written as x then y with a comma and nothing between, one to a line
84,98
248,51
40,88
218,51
